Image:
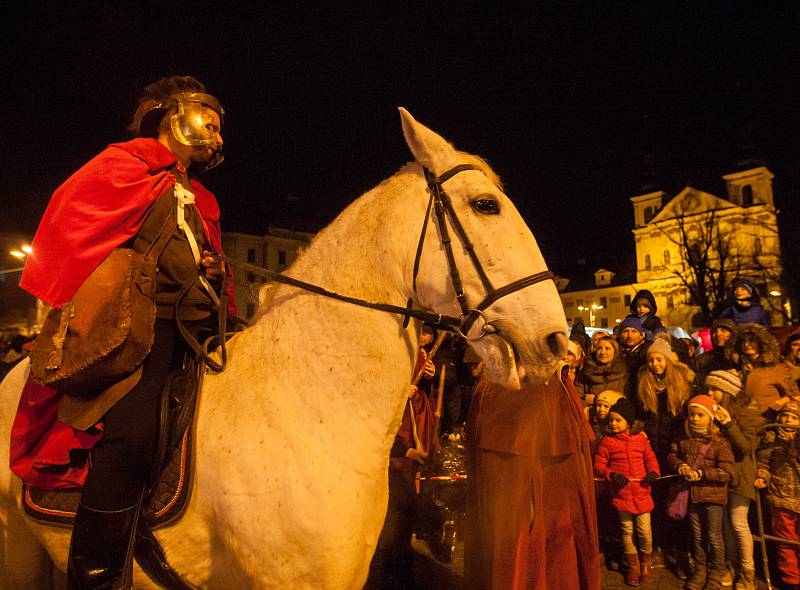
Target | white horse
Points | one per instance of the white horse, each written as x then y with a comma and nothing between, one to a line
293,438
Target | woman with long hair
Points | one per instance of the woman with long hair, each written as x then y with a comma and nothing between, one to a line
664,387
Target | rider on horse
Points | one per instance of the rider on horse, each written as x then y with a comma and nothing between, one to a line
125,197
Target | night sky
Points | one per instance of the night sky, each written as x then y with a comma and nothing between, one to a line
570,105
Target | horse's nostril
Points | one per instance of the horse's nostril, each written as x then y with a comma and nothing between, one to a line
557,343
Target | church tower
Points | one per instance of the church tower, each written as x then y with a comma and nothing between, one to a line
750,187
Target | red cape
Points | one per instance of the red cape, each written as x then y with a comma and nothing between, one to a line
101,207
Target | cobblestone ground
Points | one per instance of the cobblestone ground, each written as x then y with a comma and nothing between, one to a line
432,574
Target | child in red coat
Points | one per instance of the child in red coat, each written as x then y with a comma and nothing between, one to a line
628,462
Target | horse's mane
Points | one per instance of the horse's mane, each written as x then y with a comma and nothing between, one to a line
399,178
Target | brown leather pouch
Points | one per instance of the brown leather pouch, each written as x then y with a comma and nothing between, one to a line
104,332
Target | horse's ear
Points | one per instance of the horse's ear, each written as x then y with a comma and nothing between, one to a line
428,147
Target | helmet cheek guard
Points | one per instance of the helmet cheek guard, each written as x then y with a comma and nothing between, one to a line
190,122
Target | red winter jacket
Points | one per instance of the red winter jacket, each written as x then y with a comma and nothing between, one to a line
632,456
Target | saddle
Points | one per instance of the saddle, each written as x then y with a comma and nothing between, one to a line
170,482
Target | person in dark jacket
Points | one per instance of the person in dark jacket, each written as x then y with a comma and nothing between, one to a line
744,304
643,306
579,335
705,460
633,345
740,422
721,357
604,369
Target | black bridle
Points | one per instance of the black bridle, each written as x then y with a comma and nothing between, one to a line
443,209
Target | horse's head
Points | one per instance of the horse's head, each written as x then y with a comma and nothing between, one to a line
524,330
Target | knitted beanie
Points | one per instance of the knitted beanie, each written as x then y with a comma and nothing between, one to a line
660,346
727,381
631,321
705,403
790,407
608,396
726,323
624,408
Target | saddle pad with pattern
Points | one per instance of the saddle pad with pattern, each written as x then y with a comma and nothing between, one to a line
166,502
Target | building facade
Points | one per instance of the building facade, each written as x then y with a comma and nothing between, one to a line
695,234
275,250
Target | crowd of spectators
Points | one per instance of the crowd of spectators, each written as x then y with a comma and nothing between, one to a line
677,433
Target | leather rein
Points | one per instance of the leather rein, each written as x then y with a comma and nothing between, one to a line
443,208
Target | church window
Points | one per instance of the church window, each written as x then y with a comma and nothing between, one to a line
666,257
627,300
670,302
649,213
282,257
251,255
647,263
747,195
757,248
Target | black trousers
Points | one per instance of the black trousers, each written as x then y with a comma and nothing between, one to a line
122,461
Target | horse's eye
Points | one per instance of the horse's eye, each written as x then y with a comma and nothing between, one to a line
486,206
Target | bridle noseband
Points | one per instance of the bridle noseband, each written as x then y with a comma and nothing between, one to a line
443,208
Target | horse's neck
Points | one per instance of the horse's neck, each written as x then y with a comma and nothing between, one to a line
336,359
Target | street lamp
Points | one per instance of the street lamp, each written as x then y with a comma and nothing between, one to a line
591,309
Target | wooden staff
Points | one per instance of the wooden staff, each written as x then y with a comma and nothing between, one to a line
439,397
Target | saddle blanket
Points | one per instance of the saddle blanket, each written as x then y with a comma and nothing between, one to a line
165,503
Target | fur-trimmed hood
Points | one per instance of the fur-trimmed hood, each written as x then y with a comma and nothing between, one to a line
644,294
768,346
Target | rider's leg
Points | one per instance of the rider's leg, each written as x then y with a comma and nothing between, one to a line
120,468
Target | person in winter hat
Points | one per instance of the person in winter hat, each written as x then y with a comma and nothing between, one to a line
633,345
610,541
791,350
721,356
779,472
744,304
643,306
740,422
627,461
767,380
705,460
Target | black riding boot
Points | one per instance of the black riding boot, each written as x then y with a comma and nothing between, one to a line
100,554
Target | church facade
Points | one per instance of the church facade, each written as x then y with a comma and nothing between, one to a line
691,239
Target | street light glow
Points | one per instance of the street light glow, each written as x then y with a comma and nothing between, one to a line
27,249
17,253
775,293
